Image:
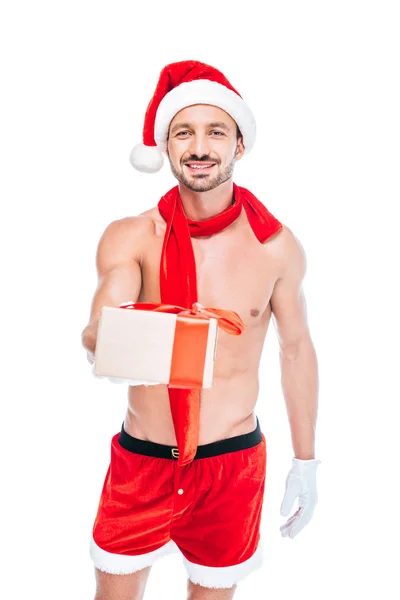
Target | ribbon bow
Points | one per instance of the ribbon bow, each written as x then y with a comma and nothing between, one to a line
228,320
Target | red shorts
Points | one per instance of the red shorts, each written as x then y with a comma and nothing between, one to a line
209,510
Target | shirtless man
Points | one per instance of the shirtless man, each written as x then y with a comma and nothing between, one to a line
256,280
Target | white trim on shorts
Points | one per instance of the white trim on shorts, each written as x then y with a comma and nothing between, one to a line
212,577
122,564
224,577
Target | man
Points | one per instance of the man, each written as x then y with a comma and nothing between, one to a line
187,470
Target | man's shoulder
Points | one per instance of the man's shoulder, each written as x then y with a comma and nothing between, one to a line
153,214
139,228
286,247
144,222
121,235
136,225
284,238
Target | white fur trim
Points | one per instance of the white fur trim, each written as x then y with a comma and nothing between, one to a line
204,91
224,577
121,564
147,159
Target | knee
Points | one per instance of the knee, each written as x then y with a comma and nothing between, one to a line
121,587
199,592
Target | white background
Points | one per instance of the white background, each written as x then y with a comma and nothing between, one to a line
323,81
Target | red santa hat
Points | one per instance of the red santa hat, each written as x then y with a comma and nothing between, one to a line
184,84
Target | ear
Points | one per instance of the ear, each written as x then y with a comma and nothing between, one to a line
239,149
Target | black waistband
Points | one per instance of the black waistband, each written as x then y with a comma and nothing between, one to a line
239,442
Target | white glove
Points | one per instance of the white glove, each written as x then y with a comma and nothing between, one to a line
91,359
301,483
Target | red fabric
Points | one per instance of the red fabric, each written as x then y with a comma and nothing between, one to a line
170,77
214,519
178,285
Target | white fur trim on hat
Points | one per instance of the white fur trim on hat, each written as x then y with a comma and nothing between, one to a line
204,91
147,159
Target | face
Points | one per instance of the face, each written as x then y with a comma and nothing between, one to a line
203,147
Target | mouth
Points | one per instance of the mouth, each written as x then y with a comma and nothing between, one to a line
194,167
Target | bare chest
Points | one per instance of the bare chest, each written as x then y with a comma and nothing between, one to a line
233,269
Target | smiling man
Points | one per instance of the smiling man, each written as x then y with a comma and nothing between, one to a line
203,173
188,469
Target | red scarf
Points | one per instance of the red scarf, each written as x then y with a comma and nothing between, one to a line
178,285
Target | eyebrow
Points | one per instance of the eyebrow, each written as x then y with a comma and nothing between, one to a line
220,124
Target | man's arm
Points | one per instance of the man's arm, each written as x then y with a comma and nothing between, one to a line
118,263
299,368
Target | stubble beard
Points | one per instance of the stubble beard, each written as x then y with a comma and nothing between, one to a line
203,183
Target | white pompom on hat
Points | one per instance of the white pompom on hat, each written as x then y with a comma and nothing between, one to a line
184,84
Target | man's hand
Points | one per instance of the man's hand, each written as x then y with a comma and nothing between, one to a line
91,358
301,483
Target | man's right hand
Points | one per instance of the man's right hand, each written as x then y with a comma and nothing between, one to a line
91,358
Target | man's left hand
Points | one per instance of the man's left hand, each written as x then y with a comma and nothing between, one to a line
301,483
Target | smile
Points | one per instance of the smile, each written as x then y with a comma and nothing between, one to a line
196,168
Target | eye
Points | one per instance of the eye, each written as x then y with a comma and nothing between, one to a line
182,132
218,132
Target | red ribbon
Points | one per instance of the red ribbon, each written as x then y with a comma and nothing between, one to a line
228,320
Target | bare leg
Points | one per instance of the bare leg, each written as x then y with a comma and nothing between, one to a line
198,592
121,587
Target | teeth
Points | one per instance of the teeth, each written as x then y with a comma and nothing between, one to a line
200,167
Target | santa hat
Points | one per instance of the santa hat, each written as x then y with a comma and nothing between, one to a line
183,84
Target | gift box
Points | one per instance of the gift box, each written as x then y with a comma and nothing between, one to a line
161,343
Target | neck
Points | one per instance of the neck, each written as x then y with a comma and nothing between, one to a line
204,205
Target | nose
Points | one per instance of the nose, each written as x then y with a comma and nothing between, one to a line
199,145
